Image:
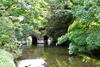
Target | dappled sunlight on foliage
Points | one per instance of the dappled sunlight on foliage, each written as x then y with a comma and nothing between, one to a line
19,19
84,32
85,38
75,23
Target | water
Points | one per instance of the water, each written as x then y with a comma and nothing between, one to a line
32,63
58,57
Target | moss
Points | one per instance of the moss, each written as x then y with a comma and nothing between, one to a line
6,59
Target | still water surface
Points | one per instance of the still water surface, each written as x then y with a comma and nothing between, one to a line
58,57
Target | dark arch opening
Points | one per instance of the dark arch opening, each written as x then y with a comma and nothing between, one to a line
45,37
34,39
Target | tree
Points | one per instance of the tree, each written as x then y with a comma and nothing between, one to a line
61,17
84,31
18,18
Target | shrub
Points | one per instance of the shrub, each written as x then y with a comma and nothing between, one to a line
85,38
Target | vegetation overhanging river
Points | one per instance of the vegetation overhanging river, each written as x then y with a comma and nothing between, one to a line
58,57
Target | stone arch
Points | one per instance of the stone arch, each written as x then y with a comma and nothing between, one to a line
34,39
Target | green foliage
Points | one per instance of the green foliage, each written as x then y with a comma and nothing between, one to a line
7,39
5,26
93,38
22,13
60,18
13,48
87,10
62,39
85,38
84,32
19,18
6,59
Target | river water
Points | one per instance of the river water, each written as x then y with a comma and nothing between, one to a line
58,57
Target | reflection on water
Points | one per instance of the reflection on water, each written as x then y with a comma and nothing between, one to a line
32,63
58,57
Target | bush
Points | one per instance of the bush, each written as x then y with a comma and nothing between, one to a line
85,38
7,38
84,32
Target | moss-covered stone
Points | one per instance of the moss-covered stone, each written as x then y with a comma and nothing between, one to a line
6,59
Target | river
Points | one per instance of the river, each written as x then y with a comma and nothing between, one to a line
58,57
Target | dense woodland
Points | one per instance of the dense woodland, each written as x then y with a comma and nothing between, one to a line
73,23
